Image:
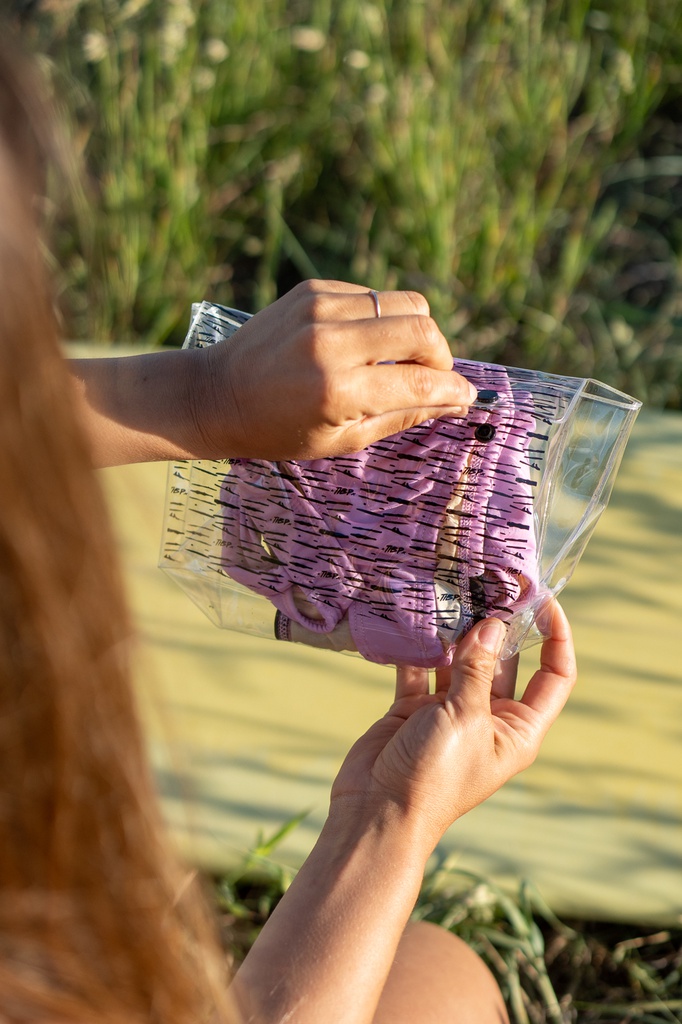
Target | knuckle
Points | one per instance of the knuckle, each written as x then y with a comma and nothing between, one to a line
432,339
313,336
430,347
309,287
418,303
476,667
423,383
316,307
306,294
332,393
326,388
480,675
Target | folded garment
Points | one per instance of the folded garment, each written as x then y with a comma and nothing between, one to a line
398,550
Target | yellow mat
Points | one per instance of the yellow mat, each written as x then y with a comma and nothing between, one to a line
248,733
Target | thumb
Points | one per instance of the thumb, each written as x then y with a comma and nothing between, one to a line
473,664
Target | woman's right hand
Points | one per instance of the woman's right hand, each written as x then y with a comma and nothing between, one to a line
434,756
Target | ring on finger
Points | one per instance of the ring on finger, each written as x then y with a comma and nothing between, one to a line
377,304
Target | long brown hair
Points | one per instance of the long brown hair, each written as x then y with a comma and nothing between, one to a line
97,921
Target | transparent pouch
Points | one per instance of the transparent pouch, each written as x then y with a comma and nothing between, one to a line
395,552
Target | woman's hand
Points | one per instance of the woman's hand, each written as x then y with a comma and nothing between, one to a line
430,759
435,756
318,373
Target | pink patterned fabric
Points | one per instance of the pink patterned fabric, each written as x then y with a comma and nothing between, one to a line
413,540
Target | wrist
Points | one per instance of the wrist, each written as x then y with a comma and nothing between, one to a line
337,928
383,832
196,405
213,407
166,395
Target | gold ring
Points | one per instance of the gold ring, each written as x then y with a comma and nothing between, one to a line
377,304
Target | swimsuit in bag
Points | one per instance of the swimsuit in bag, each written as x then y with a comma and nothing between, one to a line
410,541
396,551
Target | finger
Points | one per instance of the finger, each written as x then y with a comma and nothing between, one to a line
377,390
550,687
473,664
504,678
394,303
403,338
364,432
411,681
355,301
360,305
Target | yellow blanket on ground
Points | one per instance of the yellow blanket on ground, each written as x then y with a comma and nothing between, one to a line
247,733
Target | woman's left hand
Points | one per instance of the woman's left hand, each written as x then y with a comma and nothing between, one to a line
434,756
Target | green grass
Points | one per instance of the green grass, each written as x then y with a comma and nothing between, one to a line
550,971
518,161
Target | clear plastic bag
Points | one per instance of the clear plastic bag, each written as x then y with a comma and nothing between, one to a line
396,551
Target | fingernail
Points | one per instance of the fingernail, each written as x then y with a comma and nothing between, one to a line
473,393
491,635
545,617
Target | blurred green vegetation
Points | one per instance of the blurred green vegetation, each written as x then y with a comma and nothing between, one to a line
518,161
549,971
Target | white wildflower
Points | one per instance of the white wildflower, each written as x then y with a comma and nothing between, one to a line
182,11
94,47
598,20
252,246
377,94
216,50
373,18
307,38
621,332
204,79
357,59
173,37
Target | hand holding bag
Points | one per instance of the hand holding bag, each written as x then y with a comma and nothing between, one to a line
396,551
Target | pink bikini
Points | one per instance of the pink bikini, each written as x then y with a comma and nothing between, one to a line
414,539
397,551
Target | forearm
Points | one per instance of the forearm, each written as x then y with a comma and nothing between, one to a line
326,952
141,408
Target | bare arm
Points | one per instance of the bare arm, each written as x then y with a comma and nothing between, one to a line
326,951
314,374
140,408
